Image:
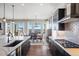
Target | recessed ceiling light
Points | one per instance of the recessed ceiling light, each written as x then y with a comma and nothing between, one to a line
41,4
22,4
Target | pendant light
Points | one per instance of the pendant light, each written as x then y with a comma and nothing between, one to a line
4,19
13,14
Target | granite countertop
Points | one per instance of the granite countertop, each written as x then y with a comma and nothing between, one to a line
70,51
4,51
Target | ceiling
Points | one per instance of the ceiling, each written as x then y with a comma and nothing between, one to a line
29,10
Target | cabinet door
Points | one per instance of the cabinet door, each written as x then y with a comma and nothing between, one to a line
25,48
68,9
77,9
61,13
61,26
18,51
52,48
72,10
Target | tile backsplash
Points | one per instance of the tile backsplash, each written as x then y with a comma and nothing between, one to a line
72,32
60,34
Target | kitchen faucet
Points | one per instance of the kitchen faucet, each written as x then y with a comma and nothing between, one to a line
9,34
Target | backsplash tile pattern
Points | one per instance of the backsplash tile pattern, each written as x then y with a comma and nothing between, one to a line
72,34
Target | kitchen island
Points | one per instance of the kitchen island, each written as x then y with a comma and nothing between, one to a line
59,50
17,50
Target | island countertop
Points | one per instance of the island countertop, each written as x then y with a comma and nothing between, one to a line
4,51
70,51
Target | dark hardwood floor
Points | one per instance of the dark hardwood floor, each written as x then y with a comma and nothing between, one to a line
39,50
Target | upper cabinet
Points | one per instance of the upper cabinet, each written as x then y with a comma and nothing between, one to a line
61,13
72,10
58,15
71,13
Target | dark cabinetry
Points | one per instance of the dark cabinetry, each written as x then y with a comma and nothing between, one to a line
21,50
55,49
61,13
72,10
52,49
25,47
61,26
58,15
71,13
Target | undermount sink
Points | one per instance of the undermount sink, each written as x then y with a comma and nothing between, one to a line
13,43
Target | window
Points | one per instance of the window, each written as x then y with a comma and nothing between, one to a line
20,25
32,25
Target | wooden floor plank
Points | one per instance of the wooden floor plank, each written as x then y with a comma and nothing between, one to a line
39,50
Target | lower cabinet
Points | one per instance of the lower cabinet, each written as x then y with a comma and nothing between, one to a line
25,47
18,51
56,50
21,50
52,49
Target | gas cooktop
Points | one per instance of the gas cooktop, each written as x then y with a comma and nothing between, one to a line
67,44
